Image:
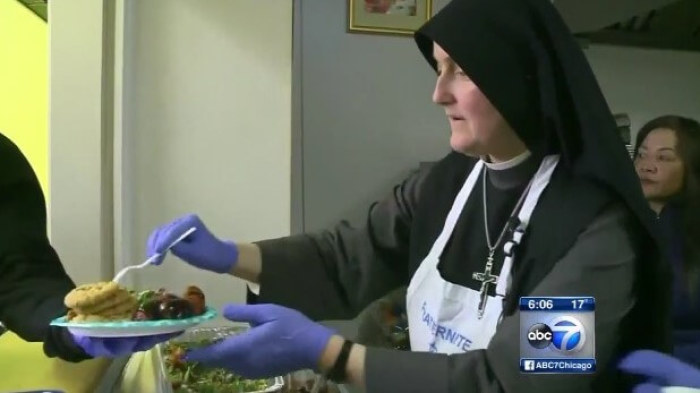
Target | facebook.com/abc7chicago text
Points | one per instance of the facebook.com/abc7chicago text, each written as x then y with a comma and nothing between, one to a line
557,335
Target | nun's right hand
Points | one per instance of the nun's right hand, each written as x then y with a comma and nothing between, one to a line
200,249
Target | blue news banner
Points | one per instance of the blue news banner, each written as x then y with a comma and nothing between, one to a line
557,335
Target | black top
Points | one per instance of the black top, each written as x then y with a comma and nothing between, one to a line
344,269
33,282
468,253
686,302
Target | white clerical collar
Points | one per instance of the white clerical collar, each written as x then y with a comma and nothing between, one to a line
513,162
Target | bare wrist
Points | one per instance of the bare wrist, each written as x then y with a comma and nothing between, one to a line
355,365
249,263
330,353
355,370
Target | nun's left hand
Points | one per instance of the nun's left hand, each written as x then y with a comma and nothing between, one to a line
280,340
662,370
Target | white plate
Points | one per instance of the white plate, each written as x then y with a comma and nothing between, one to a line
133,328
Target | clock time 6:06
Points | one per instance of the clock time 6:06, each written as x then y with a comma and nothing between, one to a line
541,304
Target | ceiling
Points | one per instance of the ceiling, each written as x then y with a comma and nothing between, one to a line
660,24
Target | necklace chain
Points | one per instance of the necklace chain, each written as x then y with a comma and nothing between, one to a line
492,248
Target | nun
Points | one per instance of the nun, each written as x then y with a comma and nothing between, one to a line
537,198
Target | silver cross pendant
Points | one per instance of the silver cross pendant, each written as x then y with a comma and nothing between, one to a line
486,279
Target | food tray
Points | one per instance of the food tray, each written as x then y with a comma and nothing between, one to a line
214,333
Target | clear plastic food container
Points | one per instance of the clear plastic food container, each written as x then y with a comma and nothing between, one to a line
177,377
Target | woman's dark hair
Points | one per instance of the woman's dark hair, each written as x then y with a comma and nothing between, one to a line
688,199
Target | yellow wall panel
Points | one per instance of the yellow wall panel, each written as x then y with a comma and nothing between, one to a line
24,84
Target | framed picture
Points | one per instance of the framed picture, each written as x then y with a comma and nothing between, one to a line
388,16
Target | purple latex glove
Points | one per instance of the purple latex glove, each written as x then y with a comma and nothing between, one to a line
662,370
281,340
113,347
647,387
200,249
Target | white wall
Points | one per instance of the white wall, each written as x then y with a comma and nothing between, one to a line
199,103
207,101
647,83
80,139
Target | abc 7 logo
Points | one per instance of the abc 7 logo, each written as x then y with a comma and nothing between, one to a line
565,334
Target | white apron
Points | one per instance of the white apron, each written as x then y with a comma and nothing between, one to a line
442,316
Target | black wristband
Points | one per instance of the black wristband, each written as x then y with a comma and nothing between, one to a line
337,372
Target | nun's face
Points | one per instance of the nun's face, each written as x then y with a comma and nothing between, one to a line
478,129
659,165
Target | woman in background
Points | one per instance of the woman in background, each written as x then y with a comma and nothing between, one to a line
667,159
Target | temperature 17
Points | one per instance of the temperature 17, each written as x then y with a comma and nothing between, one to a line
578,303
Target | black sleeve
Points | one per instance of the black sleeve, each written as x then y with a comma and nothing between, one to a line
336,273
600,264
688,352
33,282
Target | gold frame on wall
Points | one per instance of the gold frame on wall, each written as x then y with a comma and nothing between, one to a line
360,21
